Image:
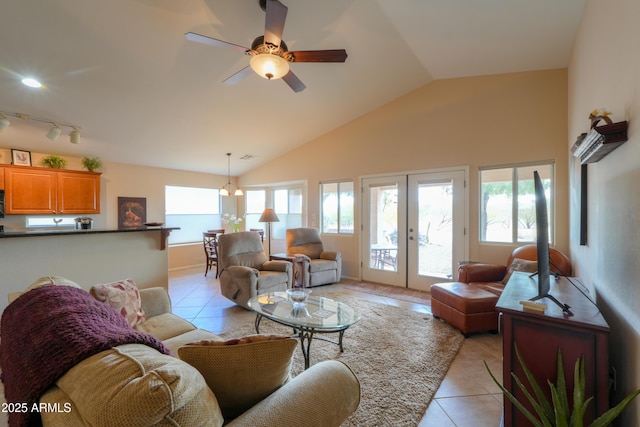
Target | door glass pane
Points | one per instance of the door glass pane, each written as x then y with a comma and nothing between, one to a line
384,227
435,229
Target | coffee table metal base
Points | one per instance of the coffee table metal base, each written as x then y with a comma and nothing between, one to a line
306,334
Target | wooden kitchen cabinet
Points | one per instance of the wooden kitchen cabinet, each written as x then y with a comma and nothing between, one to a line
78,192
32,190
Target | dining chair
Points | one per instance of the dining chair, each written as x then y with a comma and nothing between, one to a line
210,243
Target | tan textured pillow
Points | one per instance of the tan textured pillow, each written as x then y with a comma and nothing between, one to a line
242,372
123,296
520,265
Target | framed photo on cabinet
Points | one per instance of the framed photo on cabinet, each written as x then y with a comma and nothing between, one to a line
20,157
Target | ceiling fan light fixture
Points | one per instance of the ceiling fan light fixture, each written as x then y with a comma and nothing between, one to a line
269,66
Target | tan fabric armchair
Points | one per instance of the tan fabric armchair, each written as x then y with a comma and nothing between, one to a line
320,267
245,269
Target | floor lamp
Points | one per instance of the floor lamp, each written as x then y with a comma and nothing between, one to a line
269,216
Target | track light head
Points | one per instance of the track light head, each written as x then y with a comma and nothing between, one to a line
4,122
54,132
74,136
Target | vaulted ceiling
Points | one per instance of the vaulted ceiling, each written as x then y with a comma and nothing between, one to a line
123,71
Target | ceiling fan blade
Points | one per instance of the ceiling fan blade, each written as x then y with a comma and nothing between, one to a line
198,38
240,75
335,55
274,22
294,82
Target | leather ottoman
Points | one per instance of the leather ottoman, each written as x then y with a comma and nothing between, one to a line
466,307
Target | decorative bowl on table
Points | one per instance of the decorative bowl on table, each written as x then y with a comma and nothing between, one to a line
298,296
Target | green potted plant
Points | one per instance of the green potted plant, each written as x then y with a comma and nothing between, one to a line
53,161
557,412
92,164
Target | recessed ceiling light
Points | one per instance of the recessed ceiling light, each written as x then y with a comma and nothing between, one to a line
31,82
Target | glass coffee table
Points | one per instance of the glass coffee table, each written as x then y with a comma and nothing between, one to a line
316,315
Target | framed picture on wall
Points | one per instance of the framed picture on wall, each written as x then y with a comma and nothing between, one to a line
21,157
132,212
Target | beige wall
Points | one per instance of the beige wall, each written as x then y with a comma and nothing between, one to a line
477,121
605,72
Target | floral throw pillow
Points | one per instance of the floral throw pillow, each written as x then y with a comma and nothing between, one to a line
124,297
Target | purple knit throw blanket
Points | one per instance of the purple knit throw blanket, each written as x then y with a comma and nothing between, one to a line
49,330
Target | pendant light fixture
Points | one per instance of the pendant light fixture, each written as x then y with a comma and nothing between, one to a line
226,189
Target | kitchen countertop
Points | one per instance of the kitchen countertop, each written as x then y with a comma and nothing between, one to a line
67,231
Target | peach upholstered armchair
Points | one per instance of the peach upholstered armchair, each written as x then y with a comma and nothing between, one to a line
320,267
245,269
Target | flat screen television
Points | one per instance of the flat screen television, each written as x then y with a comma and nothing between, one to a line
542,245
542,237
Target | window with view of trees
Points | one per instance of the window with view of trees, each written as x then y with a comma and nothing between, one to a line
193,210
507,202
337,207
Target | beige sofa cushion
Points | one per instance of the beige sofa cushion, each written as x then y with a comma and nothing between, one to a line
242,372
135,385
165,326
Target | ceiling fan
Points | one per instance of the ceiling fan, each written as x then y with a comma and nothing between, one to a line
270,56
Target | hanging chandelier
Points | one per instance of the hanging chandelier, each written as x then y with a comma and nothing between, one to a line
226,189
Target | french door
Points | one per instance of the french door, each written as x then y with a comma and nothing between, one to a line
414,228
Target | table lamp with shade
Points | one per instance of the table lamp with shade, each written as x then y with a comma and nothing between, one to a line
269,216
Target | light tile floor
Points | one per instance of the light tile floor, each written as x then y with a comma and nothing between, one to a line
467,396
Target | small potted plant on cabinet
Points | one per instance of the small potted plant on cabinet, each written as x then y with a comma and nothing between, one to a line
92,164
55,162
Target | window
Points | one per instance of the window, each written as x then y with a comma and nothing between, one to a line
287,202
337,207
256,201
194,210
507,202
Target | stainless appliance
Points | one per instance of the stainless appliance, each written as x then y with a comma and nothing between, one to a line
84,223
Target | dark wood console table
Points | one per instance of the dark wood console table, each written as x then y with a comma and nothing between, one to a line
539,335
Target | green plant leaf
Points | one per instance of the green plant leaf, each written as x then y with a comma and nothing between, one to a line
547,410
562,404
608,417
542,417
515,401
561,412
579,386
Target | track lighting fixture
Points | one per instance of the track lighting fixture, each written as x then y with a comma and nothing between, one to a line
54,130
226,189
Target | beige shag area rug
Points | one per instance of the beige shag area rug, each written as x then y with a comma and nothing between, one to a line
400,357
